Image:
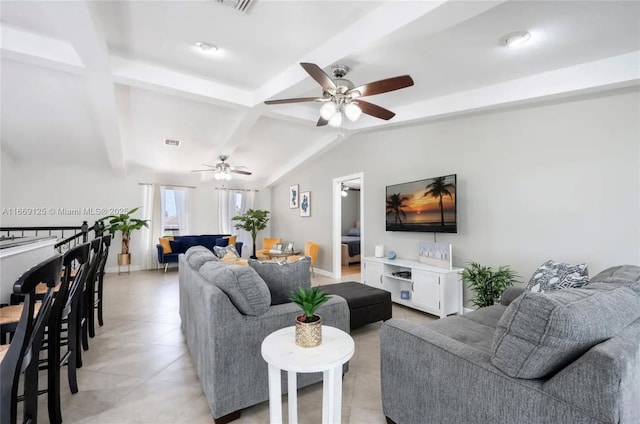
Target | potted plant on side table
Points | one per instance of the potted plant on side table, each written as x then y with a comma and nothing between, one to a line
253,220
126,224
487,283
308,325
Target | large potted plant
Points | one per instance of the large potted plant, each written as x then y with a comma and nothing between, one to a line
125,224
487,283
308,325
253,220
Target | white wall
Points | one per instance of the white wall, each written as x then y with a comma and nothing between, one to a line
556,181
52,187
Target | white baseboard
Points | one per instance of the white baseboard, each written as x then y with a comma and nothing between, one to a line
467,310
122,268
322,272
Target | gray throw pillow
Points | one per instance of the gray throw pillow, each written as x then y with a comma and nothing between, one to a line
283,277
553,275
244,287
541,333
197,256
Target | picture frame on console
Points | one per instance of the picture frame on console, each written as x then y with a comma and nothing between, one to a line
294,196
305,204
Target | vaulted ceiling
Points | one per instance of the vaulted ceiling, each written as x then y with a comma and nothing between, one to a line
114,79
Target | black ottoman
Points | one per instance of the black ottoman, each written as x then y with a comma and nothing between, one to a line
366,304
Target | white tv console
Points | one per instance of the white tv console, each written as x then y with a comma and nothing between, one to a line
430,289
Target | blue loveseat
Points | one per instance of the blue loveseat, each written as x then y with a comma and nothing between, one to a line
181,244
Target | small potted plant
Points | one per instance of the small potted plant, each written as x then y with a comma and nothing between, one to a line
253,220
308,325
126,224
487,283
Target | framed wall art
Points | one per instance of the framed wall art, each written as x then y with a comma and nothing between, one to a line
305,203
294,194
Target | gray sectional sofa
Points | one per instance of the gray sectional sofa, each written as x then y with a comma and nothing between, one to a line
226,313
570,356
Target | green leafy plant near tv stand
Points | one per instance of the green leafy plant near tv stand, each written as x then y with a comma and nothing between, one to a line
487,283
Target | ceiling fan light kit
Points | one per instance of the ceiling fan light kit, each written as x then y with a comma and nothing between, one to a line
516,39
222,171
339,95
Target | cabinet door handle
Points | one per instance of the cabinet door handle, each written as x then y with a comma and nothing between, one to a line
412,286
381,282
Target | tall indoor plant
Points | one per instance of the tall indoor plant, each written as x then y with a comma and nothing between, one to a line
253,220
125,224
308,325
487,283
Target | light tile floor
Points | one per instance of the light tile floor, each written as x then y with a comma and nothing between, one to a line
138,368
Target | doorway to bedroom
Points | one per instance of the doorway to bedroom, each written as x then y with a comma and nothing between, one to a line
348,218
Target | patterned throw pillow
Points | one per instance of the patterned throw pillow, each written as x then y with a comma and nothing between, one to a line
553,275
231,249
219,251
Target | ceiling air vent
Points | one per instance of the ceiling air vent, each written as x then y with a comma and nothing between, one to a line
241,5
169,142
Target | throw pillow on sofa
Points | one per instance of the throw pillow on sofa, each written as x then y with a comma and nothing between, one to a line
541,333
283,277
553,275
164,242
177,246
244,287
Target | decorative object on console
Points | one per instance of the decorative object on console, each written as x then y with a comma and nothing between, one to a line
308,325
405,294
391,254
289,248
294,193
427,205
435,254
125,224
552,275
379,251
486,283
253,220
305,203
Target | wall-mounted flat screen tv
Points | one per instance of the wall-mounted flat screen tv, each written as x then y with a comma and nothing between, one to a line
427,205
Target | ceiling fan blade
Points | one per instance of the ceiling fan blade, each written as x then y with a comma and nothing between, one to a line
319,75
375,110
382,86
201,170
322,122
296,100
210,166
236,171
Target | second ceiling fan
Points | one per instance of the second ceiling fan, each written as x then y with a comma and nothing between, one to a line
340,95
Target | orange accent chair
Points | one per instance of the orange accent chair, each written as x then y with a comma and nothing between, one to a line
267,244
311,250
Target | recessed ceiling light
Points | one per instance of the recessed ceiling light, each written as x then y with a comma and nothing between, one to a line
206,47
516,39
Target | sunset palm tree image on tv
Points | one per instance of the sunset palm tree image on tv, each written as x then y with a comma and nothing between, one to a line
425,205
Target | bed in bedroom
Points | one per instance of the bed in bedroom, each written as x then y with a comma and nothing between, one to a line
350,244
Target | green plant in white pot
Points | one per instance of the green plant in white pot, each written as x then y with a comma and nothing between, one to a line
487,283
308,325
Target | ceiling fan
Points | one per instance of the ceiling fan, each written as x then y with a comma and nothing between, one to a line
340,95
222,170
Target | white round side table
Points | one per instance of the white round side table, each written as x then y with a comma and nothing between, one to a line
280,351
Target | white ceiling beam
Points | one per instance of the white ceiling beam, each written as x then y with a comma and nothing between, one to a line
383,20
604,73
144,75
324,143
77,22
35,49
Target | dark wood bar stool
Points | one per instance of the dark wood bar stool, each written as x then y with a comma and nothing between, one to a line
88,294
106,243
23,353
